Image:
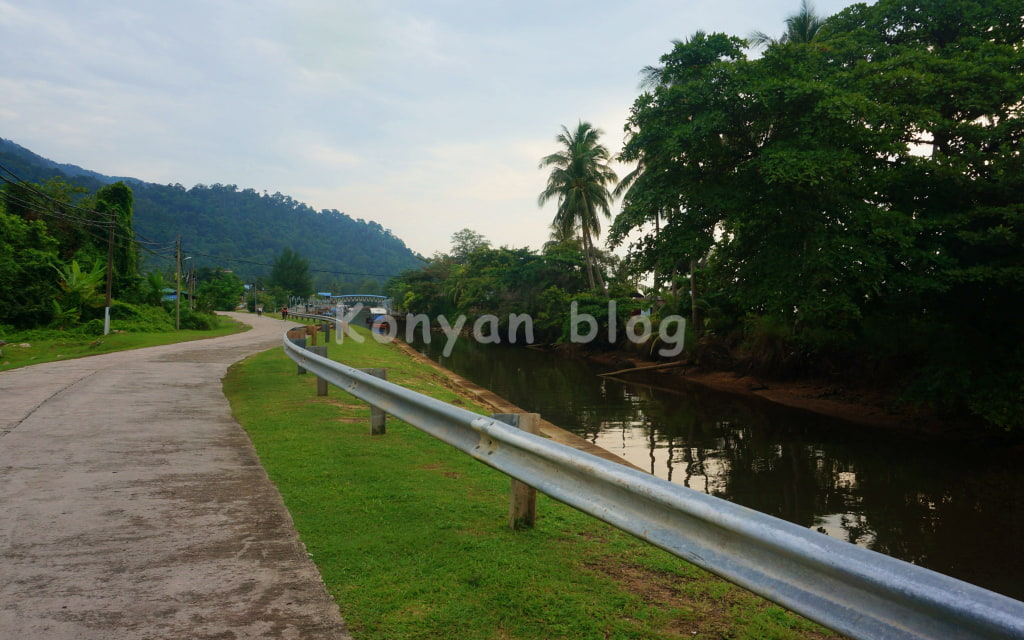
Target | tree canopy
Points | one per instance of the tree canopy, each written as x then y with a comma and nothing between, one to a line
579,181
291,274
854,199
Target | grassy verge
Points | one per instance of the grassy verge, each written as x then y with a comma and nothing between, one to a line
54,345
410,535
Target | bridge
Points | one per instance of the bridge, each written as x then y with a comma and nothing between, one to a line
350,300
324,303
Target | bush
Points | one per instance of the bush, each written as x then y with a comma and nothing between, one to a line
198,320
140,318
92,328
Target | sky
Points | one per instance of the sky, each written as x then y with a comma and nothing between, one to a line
427,117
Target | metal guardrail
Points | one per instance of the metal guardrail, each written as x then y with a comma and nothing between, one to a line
850,589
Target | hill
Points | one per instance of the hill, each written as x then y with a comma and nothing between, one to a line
240,229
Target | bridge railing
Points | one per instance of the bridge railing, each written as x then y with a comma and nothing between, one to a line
850,589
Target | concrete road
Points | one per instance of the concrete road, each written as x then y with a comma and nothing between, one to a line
132,505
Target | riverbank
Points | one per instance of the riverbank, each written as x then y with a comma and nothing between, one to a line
497,404
876,408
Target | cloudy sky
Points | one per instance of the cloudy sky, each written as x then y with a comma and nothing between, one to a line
426,116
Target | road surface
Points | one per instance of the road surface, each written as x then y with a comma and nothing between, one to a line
132,505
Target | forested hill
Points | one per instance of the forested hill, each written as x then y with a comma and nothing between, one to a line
241,229
221,221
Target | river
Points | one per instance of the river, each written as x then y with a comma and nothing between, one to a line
952,507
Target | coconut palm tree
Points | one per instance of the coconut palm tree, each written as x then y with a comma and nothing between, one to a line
802,27
579,181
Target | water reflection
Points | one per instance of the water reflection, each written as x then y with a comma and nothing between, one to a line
951,508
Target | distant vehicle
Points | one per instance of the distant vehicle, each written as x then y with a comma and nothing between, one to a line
379,320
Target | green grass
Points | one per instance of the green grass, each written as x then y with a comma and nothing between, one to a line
411,537
48,346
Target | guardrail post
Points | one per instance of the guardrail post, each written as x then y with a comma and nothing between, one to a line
321,384
312,330
297,337
378,419
522,506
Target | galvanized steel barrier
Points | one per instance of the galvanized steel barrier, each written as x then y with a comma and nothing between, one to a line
849,589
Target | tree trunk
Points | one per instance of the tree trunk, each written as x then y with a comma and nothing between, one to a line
588,260
693,295
657,233
597,272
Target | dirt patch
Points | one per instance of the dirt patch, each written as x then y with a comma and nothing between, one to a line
696,606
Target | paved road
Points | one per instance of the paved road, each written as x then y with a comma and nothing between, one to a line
132,505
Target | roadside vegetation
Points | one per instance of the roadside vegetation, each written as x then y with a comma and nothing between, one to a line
411,537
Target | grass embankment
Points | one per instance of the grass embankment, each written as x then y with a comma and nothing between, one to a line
48,346
410,535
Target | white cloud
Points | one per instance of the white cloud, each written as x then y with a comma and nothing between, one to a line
425,116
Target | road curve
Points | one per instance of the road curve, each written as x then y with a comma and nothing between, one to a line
132,505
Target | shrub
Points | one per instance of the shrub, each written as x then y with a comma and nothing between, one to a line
198,320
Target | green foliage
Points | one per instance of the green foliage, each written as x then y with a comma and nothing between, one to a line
64,317
291,274
117,200
466,241
81,288
221,292
141,318
198,320
247,226
27,285
153,288
863,173
220,226
500,282
579,181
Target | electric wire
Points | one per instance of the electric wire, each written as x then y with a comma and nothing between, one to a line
24,184
43,211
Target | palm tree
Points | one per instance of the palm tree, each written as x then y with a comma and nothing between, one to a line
579,180
802,27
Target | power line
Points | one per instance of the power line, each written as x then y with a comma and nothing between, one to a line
264,264
24,184
40,210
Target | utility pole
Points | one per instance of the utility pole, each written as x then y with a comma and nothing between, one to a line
110,275
177,298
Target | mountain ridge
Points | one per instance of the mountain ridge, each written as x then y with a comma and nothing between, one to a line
240,229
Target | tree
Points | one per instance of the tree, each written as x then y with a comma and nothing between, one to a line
27,285
466,241
117,200
80,289
678,138
953,72
221,292
855,203
291,274
579,181
805,26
